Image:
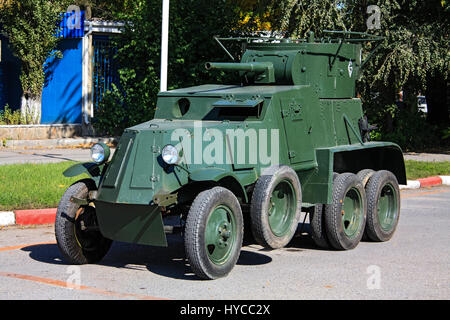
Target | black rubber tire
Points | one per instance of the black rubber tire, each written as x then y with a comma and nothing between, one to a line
373,191
365,175
194,236
259,210
65,228
333,212
317,224
335,174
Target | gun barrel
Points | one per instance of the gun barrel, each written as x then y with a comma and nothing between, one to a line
257,67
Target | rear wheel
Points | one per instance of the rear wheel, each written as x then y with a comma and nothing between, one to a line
276,207
365,175
345,217
383,206
214,232
76,228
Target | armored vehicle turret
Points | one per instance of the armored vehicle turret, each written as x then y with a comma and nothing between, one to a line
291,137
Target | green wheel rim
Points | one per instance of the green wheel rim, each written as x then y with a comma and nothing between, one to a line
352,213
282,208
220,234
387,207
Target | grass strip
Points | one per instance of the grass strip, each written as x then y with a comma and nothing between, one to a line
419,169
41,186
33,186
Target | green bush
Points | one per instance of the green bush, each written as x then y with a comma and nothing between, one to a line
9,117
410,130
446,134
119,110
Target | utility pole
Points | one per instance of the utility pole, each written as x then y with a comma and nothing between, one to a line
164,43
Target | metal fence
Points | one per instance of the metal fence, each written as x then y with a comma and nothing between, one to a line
105,68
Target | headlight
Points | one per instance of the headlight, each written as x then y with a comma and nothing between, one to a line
100,153
170,154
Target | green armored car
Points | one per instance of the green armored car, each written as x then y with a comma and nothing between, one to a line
290,138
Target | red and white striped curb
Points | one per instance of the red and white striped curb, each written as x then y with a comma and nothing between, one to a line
47,216
427,182
27,217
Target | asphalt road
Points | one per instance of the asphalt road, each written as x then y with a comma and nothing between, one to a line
14,156
413,265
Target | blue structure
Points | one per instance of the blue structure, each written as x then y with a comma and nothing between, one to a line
71,25
62,94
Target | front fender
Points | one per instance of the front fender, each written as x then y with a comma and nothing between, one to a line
91,168
222,177
209,174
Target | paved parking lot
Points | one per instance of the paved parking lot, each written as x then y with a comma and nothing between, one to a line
413,265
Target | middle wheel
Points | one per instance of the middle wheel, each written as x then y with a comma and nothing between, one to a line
276,207
345,217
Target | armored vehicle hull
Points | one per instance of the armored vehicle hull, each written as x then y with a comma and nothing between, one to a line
293,139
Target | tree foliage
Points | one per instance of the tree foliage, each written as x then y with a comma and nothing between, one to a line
30,26
104,9
193,23
413,57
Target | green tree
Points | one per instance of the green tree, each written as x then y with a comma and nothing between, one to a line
30,26
193,23
413,58
296,18
105,9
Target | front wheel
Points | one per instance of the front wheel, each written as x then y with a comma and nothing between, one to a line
213,234
76,228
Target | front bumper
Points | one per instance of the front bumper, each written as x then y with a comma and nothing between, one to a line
141,224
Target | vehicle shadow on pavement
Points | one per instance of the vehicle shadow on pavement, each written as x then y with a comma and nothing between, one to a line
302,240
168,262
47,253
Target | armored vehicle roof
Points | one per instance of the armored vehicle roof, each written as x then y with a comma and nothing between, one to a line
213,90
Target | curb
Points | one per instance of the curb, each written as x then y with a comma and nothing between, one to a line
27,217
427,182
30,217
47,216
7,219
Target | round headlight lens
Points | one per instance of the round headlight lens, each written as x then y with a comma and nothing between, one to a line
170,154
100,153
